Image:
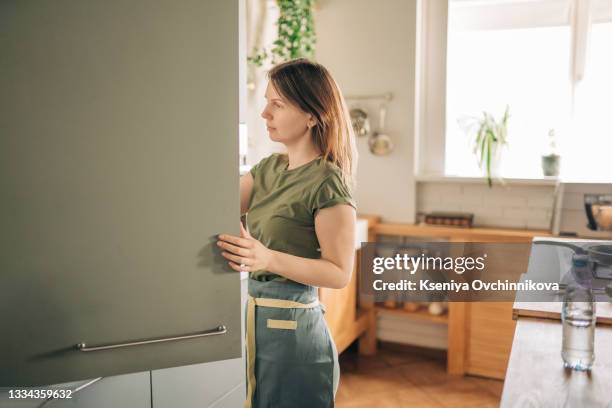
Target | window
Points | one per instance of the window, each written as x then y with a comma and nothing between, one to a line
587,153
518,53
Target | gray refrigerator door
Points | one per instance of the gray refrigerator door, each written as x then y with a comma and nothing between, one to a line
118,167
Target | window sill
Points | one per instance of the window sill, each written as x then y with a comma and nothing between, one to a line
435,178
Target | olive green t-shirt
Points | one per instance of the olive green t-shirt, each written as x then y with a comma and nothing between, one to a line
284,203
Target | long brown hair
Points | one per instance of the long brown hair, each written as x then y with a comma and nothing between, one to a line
310,86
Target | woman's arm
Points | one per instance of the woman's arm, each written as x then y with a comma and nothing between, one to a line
335,229
246,186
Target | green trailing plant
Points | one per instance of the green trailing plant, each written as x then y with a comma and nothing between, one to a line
258,57
489,138
296,34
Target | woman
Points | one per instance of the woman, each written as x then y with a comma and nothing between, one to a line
301,220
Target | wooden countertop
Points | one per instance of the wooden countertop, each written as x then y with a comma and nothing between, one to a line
552,310
460,234
536,378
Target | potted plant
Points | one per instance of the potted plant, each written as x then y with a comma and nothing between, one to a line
550,161
489,139
296,34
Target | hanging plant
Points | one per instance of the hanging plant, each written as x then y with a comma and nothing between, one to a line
296,34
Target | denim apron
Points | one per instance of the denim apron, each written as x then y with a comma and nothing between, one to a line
292,360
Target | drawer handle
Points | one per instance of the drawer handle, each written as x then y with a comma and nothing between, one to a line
213,332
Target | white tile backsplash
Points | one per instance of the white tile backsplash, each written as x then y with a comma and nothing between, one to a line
538,224
541,201
511,206
487,211
501,206
505,199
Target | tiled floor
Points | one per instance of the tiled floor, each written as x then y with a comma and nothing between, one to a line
403,377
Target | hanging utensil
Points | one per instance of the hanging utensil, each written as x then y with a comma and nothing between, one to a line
360,121
380,144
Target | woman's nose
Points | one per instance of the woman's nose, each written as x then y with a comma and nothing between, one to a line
265,114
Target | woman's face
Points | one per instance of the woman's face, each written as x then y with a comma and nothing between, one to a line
285,122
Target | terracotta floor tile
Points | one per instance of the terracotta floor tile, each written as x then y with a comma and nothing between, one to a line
394,358
494,387
416,397
376,380
379,400
427,373
392,399
364,364
459,394
409,379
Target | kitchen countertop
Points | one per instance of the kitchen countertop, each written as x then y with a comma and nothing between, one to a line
536,378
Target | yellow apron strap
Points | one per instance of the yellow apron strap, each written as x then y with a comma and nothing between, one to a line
250,343
284,304
250,335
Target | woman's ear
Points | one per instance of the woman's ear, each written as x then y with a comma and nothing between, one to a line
311,122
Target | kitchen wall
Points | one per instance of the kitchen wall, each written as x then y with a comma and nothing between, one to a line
371,50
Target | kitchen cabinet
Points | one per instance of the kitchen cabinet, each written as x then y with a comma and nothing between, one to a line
127,390
479,333
214,384
117,169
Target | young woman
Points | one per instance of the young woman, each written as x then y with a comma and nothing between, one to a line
299,236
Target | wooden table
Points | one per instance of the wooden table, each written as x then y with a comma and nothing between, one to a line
535,376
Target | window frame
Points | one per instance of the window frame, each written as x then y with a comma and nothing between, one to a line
431,74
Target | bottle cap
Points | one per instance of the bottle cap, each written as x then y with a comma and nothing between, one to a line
579,260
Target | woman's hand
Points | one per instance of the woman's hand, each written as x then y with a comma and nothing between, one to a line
244,253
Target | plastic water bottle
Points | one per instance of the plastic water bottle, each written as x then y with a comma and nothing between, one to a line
578,318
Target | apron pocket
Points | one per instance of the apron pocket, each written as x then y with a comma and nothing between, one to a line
282,324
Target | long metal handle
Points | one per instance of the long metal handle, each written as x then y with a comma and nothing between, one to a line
214,332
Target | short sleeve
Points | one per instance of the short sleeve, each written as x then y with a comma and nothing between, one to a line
255,168
332,191
259,165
